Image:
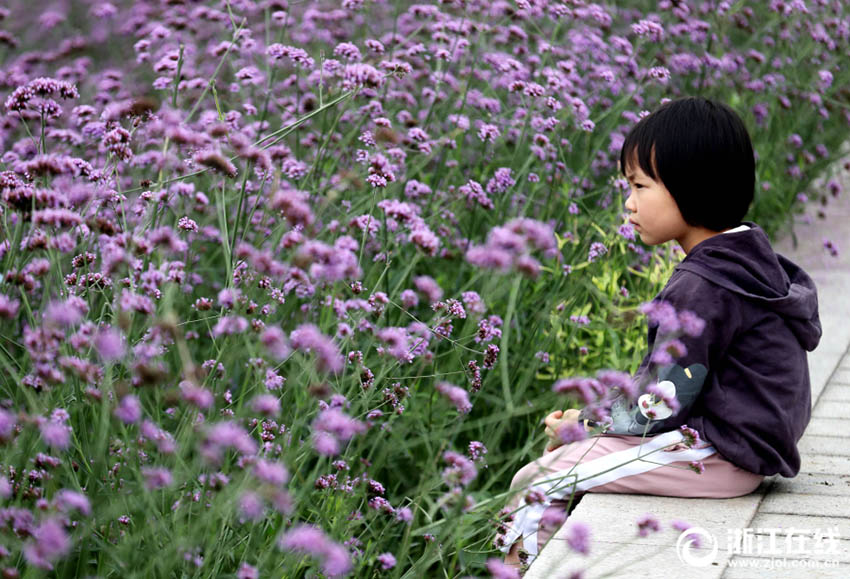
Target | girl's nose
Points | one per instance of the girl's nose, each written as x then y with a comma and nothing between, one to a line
630,203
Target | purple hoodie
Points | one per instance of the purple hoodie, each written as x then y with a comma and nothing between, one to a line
743,383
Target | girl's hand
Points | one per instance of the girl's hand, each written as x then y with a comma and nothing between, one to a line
553,421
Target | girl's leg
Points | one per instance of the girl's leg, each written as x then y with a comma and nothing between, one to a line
560,460
721,479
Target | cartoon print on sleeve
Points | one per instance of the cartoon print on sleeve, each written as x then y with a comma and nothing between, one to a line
684,384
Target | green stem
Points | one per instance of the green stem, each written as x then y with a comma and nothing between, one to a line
503,353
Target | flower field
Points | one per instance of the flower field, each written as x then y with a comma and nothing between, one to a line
286,285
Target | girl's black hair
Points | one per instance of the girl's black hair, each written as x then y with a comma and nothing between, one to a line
703,156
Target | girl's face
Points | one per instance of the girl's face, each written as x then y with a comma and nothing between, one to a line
654,213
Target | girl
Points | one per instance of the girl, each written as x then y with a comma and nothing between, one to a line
729,395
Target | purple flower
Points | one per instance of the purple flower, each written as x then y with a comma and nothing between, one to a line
661,357
7,425
274,339
488,132
386,560
66,500
476,450
697,466
694,538
247,571
461,471
226,434
528,266
49,542
588,389
186,224
423,237
273,473
228,325
381,504
578,538
649,29
312,541
646,524
571,432
691,436
675,348
298,56
66,314
661,73
501,181
129,410
500,570
456,395
214,159
109,344
621,380
409,299
266,404
404,514
308,337
397,342
831,247
331,428
691,323
8,307
661,314
197,395
251,506
427,286
596,249
55,434
227,298
156,477
553,518
489,257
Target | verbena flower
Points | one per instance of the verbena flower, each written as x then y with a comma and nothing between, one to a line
266,404
578,538
67,500
500,570
571,432
386,561
461,471
456,395
661,314
109,344
312,541
223,435
308,338
129,410
647,524
49,542
56,434
156,477
269,472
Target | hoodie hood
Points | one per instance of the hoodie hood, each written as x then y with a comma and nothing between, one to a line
744,263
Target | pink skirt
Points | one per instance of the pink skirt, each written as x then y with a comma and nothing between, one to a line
614,463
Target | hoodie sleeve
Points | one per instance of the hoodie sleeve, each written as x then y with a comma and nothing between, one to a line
691,324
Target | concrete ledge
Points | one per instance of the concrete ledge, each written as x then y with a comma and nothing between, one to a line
618,551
